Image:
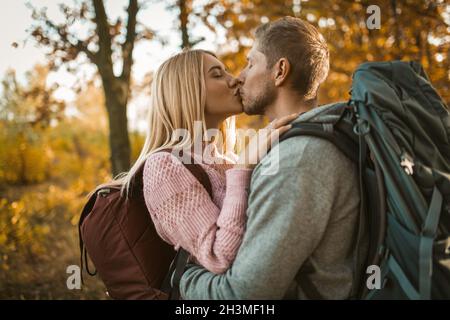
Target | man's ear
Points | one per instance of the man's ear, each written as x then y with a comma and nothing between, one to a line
281,69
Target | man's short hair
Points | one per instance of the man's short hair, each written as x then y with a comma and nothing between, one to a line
302,45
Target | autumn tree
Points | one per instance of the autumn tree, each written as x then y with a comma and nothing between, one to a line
47,166
27,111
88,36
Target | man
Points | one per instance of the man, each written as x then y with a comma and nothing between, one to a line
302,221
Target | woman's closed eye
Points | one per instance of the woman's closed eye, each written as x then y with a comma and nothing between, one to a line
217,74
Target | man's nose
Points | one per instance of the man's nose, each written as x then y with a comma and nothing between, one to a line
234,82
241,77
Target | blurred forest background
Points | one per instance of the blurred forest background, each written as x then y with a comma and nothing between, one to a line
53,152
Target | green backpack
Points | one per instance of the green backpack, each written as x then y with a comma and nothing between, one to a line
397,129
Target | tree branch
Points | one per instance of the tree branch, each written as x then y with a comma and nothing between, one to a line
128,45
63,43
82,47
104,43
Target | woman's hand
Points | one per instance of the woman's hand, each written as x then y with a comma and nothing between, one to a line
262,142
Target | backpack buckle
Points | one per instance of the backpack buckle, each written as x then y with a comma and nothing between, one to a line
361,127
406,161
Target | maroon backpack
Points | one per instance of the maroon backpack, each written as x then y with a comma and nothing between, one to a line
122,242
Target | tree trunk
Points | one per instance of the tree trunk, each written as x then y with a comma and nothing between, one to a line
119,143
116,89
430,57
22,174
185,43
397,34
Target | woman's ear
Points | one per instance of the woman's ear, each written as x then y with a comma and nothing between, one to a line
282,69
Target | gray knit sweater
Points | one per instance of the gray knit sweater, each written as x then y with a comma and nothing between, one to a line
299,239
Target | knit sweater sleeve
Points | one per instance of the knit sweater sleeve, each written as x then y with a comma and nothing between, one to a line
185,215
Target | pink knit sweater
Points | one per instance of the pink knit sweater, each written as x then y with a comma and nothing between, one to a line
185,215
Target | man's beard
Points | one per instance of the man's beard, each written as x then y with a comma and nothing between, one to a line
259,104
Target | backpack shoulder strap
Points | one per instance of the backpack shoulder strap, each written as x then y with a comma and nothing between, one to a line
340,134
200,174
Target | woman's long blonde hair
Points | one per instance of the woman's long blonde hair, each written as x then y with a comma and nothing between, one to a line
178,98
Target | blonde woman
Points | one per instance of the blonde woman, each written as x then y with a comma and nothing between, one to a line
194,86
